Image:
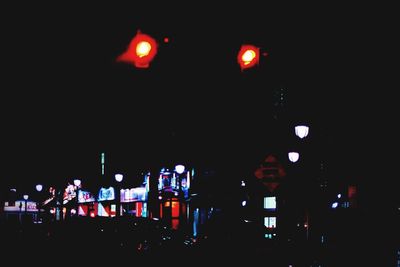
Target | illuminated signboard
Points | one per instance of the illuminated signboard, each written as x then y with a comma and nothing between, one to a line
269,202
19,205
134,194
69,193
106,194
85,196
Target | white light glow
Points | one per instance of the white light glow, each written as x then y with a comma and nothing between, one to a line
25,197
143,49
39,187
248,56
335,205
243,183
339,195
77,182
179,169
119,178
244,203
293,156
301,131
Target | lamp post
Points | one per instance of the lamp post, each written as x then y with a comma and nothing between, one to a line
39,189
77,184
118,178
26,203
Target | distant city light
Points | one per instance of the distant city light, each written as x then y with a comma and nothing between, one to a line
25,197
159,197
244,203
39,187
335,205
243,183
293,156
339,195
179,169
13,190
301,131
119,178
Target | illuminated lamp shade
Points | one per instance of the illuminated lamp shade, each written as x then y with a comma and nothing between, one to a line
77,182
39,187
301,131
119,178
248,56
141,51
25,197
293,156
179,169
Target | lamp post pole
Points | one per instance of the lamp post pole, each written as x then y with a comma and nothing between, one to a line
39,188
77,184
26,204
118,179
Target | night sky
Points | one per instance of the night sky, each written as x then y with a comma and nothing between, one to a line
64,99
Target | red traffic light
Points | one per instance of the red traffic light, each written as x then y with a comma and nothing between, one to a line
141,51
248,56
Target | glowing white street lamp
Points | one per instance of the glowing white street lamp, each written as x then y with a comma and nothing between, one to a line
77,182
25,197
301,131
179,169
39,187
119,177
293,156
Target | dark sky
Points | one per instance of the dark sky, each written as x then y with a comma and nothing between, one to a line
65,99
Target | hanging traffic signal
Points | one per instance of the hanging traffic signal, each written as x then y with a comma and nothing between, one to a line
248,56
141,51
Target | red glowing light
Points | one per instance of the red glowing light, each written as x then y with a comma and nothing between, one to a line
166,40
248,56
141,51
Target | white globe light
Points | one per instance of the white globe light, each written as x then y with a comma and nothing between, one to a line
179,169
39,187
77,182
25,197
119,178
301,131
293,156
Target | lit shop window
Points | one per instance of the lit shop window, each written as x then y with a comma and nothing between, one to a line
269,202
270,222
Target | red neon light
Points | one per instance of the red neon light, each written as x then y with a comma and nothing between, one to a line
141,51
139,209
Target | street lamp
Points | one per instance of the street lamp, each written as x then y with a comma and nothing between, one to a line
179,169
77,184
39,188
293,156
118,177
301,131
26,202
